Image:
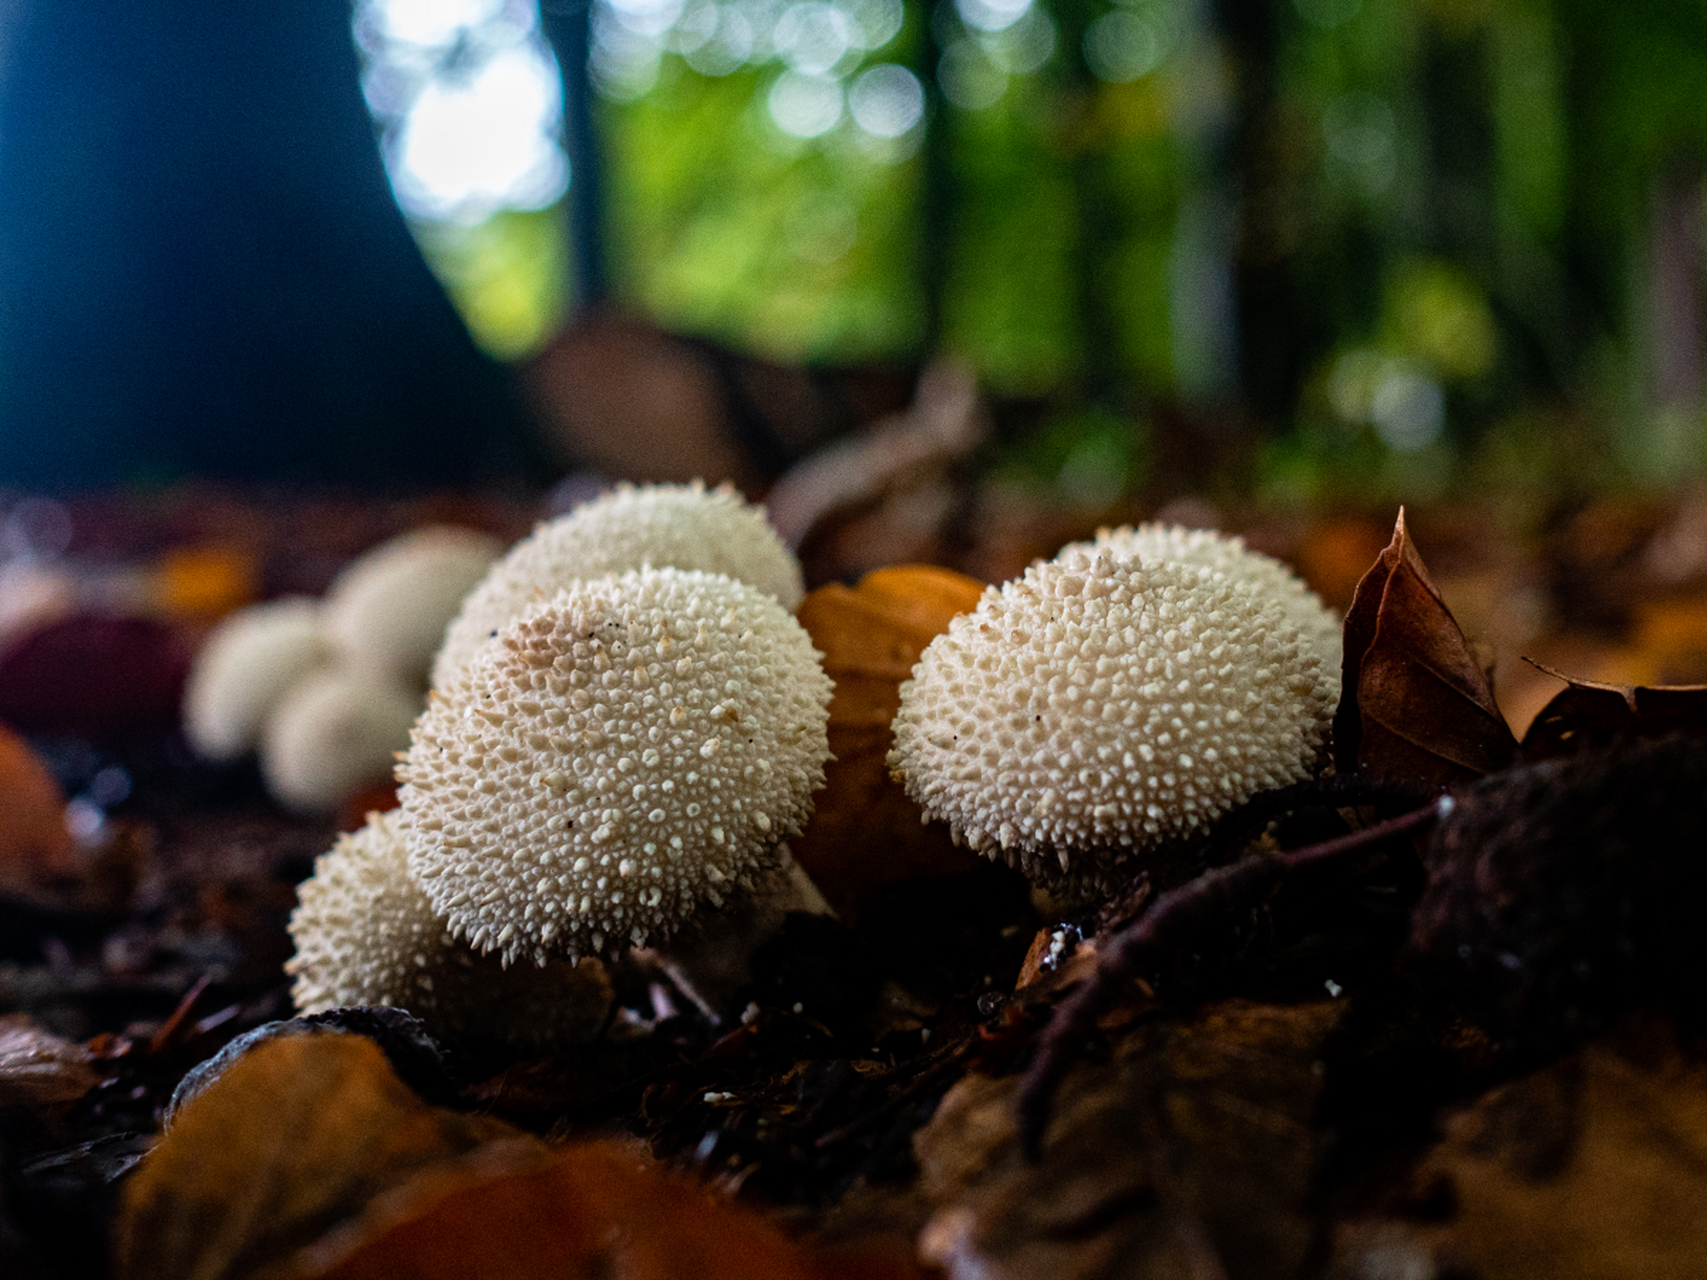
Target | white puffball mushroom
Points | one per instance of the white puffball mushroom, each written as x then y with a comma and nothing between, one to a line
334,731
1252,570
244,667
388,608
365,934
1096,709
624,752
684,526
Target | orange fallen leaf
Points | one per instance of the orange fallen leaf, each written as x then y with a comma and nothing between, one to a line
1417,705
34,843
589,1210
865,831
296,1136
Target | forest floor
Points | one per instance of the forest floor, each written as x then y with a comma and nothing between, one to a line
1298,1080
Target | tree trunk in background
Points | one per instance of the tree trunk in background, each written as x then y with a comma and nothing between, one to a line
568,26
936,217
1277,333
203,271
1098,208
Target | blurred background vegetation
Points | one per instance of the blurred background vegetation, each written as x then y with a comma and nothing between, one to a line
1405,245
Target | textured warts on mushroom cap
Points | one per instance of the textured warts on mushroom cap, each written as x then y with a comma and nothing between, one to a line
388,608
621,753
244,667
1251,570
366,934
1097,708
685,526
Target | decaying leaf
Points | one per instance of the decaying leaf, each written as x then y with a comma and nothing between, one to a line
1593,1167
1416,704
293,1139
34,843
1563,894
587,1211
1192,1153
864,830
1587,714
38,1068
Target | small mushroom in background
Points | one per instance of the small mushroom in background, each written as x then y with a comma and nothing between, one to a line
1252,570
1096,709
388,608
245,666
622,757
684,526
365,934
334,732
325,690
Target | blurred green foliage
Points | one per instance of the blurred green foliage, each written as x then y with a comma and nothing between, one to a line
1403,236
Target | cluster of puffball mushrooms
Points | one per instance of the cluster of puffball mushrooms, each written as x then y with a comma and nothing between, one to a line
324,691
627,725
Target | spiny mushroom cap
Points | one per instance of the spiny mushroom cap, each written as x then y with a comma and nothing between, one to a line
365,934
388,608
685,526
244,667
623,752
334,731
1250,569
1096,708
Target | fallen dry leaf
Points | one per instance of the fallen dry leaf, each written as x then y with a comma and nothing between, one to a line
34,843
1588,714
295,1137
1593,1167
586,1211
864,830
1192,1153
38,1068
1417,705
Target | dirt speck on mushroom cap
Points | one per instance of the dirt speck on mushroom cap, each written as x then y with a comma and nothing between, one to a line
685,526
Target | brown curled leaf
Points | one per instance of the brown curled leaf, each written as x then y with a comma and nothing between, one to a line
1417,705
1588,714
294,1138
864,830
1193,1151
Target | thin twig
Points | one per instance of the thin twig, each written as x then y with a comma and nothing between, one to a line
1172,917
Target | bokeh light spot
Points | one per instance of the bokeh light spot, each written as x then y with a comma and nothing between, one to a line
805,106
887,100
